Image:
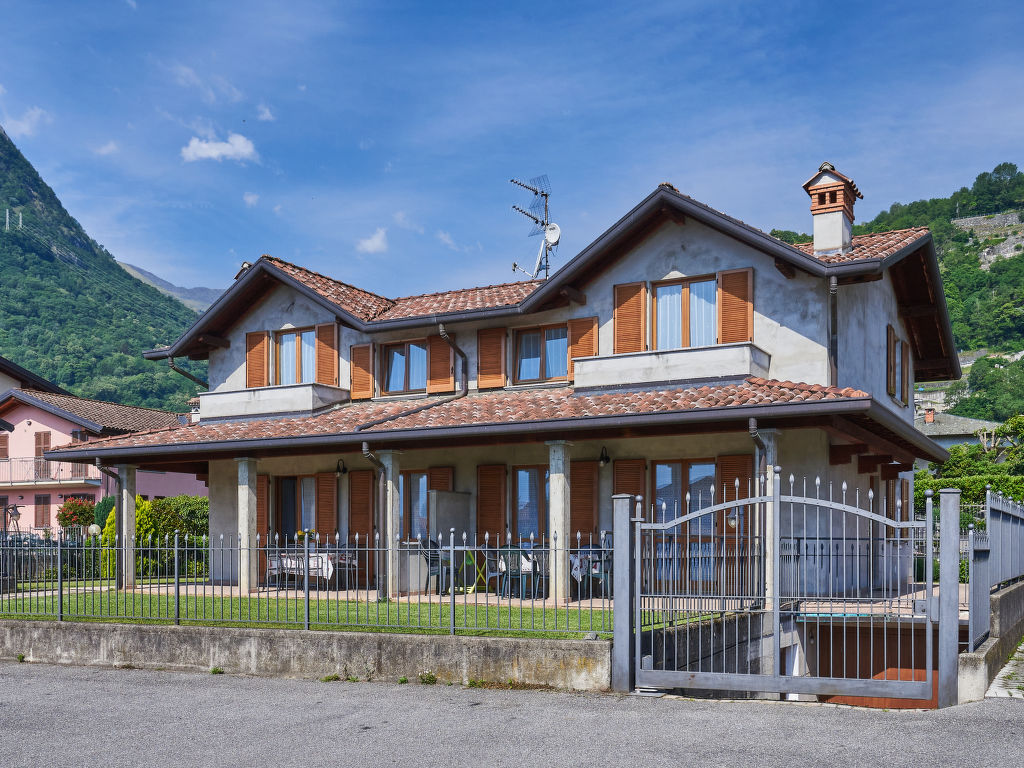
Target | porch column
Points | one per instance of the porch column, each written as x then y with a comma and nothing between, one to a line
127,475
765,461
558,518
248,557
392,504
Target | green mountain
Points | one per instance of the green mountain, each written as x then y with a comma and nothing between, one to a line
68,311
196,298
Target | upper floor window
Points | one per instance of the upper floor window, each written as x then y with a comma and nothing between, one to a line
296,356
897,367
542,354
686,313
405,367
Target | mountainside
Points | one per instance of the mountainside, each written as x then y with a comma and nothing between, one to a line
68,311
196,298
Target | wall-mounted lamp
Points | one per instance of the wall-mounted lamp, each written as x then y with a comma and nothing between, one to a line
603,460
732,519
340,469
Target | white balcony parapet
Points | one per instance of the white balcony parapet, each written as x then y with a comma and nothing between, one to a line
722,361
297,399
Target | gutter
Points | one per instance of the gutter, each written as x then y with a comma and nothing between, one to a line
186,374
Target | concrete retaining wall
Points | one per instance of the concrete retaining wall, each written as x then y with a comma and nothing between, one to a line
566,664
978,669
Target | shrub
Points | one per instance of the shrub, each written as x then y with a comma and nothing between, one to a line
330,678
75,512
428,678
102,510
189,515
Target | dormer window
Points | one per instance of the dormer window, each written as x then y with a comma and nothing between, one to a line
296,356
686,313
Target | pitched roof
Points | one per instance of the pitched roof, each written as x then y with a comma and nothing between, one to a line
877,245
362,304
98,415
949,425
503,407
426,304
26,378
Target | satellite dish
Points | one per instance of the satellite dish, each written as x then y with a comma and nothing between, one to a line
552,234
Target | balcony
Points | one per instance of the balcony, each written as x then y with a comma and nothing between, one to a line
722,361
283,400
32,471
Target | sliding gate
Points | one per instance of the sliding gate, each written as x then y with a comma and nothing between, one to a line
798,590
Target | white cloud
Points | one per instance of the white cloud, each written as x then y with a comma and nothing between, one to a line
2,89
107,149
277,209
28,123
402,220
375,243
446,238
250,198
211,89
132,4
264,114
237,147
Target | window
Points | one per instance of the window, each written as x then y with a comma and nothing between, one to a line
296,505
531,488
89,497
412,491
296,356
42,510
898,371
4,445
405,367
542,354
686,313
673,480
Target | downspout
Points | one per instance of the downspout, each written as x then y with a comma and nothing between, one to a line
118,579
186,374
833,331
762,450
462,392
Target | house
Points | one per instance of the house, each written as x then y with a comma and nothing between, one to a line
947,429
679,353
42,416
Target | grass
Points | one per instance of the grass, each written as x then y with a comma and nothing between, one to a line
279,612
216,671
428,678
330,678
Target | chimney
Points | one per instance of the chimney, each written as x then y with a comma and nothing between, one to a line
929,415
832,197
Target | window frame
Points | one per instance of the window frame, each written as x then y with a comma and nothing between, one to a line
542,501
692,530
684,308
278,495
297,332
405,476
383,358
516,332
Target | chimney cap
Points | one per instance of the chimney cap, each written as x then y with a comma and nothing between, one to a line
830,169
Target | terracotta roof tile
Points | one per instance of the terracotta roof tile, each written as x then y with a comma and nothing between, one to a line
503,295
876,245
501,407
362,304
115,417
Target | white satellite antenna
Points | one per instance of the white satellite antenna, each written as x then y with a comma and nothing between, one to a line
542,224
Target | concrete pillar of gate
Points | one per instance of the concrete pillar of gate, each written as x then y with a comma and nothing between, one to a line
248,556
623,586
392,503
767,460
558,519
127,473
949,596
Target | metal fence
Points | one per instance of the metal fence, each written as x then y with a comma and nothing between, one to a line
37,470
992,559
445,584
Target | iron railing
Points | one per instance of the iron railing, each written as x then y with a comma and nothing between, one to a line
37,471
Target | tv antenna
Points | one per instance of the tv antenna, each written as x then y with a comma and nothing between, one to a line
542,224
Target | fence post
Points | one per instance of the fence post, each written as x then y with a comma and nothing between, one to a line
949,594
177,583
623,565
305,579
60,580
774,536
451,579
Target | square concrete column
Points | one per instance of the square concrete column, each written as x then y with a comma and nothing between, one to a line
392,517
248,556
127,473
768,459
558,519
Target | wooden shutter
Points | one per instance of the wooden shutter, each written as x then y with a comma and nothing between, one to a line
582,500
360,505
327,354
263,507
440,365
490,500
582,339
42,443
361,357
890,360
905,372
735,306
326,506
490,352
628,476
441,479
257,359
42,510
628,318
730,469
4,448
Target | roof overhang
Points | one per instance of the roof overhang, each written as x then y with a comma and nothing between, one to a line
12,397
29,379
6,426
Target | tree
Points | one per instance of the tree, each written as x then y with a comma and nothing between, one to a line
967,461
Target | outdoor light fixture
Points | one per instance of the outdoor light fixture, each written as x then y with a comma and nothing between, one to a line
340,469
94,530
732,519
603,460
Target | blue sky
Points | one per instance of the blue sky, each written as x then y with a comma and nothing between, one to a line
373,142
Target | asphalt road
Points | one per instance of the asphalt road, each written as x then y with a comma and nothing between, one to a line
71,716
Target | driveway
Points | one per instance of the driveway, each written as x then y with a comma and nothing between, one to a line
69,716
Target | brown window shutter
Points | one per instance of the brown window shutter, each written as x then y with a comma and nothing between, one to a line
360,505
490,500
905,372
361,357
257,359
890,360
42,510
582,339
440,365
4,447
42,443
327,354
326,506
730,469
628,319
735,306
263,507
441,479
628,476
582,500
490,351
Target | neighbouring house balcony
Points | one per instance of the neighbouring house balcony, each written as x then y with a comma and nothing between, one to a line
722,361
290,399
33,471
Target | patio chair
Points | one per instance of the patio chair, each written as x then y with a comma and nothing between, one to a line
510,569
437,565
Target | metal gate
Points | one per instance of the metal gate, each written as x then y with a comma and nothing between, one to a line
802,589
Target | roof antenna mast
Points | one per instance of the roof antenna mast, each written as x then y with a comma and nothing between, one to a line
542,224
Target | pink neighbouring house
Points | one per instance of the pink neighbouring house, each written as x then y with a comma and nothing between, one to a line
36,415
